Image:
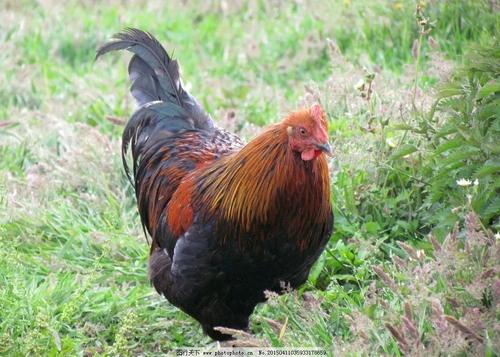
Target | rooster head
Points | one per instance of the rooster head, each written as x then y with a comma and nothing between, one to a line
307,131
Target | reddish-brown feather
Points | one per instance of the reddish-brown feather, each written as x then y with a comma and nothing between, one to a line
180,211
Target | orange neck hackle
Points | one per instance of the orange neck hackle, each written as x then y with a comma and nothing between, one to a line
245,188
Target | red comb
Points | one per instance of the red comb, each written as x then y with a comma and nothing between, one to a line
316,111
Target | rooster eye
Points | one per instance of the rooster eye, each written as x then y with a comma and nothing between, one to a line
302,131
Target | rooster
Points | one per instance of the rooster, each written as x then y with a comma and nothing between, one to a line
227,221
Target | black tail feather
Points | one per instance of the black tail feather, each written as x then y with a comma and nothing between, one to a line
150,60
155,75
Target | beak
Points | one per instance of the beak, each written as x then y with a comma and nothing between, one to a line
326,148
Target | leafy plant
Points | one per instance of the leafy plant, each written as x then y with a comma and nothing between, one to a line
458,139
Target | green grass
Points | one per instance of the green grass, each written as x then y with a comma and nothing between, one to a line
73,256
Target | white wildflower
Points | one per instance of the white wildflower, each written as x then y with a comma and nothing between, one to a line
476,182
391,142
464,182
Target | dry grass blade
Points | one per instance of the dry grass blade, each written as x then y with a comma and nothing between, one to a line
408,312
409,323
400,263
435,243
283,329
241,338
415,49
7,123
437,316
275,325
412,329
332,45
403,344
233,332
116,120
412,252
385,278
461,327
